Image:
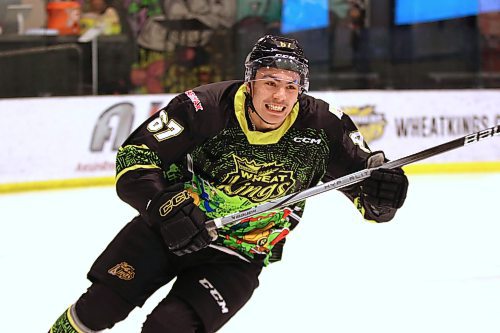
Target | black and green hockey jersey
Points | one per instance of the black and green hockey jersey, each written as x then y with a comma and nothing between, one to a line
317,142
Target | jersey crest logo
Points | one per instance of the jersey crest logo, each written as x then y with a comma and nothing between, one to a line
123,271
258,182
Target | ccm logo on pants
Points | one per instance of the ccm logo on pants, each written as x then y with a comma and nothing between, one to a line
215,294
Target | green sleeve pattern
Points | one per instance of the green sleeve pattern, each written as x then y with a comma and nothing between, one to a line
135,157
174,173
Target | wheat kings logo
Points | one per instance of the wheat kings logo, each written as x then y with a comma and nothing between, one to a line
370,122
123,271
259,182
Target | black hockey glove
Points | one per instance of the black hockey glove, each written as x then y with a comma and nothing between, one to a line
180,221
385,187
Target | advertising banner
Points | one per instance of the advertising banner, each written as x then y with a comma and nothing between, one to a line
405,122
74,140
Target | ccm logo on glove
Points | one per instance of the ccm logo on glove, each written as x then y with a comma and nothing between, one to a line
181,223
175,201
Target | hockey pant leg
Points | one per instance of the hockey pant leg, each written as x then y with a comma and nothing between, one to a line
91,314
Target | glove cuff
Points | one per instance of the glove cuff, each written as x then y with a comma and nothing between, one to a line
375,159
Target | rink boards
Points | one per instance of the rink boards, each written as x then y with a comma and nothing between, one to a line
72,141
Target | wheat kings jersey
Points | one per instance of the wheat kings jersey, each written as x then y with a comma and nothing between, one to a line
206,131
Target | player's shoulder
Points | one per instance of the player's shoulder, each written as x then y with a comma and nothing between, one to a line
317,109
209,98
214,94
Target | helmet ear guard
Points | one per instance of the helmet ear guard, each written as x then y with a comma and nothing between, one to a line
278,52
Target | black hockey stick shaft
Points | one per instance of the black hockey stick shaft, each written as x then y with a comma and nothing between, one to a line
353,178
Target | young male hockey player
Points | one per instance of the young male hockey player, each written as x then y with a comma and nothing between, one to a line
214,150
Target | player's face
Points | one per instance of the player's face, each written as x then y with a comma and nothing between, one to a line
274,93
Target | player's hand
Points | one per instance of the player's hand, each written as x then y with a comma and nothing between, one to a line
180,221
384,187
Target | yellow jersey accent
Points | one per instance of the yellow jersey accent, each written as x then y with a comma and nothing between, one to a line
72,321
135,167
256,137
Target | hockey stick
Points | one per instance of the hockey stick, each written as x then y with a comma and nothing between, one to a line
353,178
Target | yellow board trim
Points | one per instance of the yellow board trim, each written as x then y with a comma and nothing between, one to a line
458,167
444,168
256,137
57,184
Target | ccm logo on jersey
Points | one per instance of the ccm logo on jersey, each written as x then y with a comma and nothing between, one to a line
215,294
307,140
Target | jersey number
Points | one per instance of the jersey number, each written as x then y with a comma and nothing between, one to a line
164,128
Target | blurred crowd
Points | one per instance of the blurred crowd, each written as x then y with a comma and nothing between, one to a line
173,45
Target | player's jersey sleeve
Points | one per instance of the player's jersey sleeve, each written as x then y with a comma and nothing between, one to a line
152,156
349,152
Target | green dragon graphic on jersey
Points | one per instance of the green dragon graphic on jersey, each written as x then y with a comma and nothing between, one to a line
254,235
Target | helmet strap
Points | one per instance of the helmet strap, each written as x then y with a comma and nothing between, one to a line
249,106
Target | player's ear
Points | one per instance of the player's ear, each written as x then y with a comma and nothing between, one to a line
247,85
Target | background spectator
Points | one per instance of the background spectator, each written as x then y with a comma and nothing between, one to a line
99,13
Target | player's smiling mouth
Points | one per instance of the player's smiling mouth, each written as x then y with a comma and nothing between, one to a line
275,108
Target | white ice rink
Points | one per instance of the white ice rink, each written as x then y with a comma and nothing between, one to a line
434,269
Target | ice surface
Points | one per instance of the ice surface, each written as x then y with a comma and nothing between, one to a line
435,268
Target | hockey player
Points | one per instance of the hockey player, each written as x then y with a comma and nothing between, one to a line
214,150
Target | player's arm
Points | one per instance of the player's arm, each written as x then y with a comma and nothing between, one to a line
378,197
144,158
142,165
139,175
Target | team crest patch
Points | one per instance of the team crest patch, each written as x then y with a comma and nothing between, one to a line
123,271
258,182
